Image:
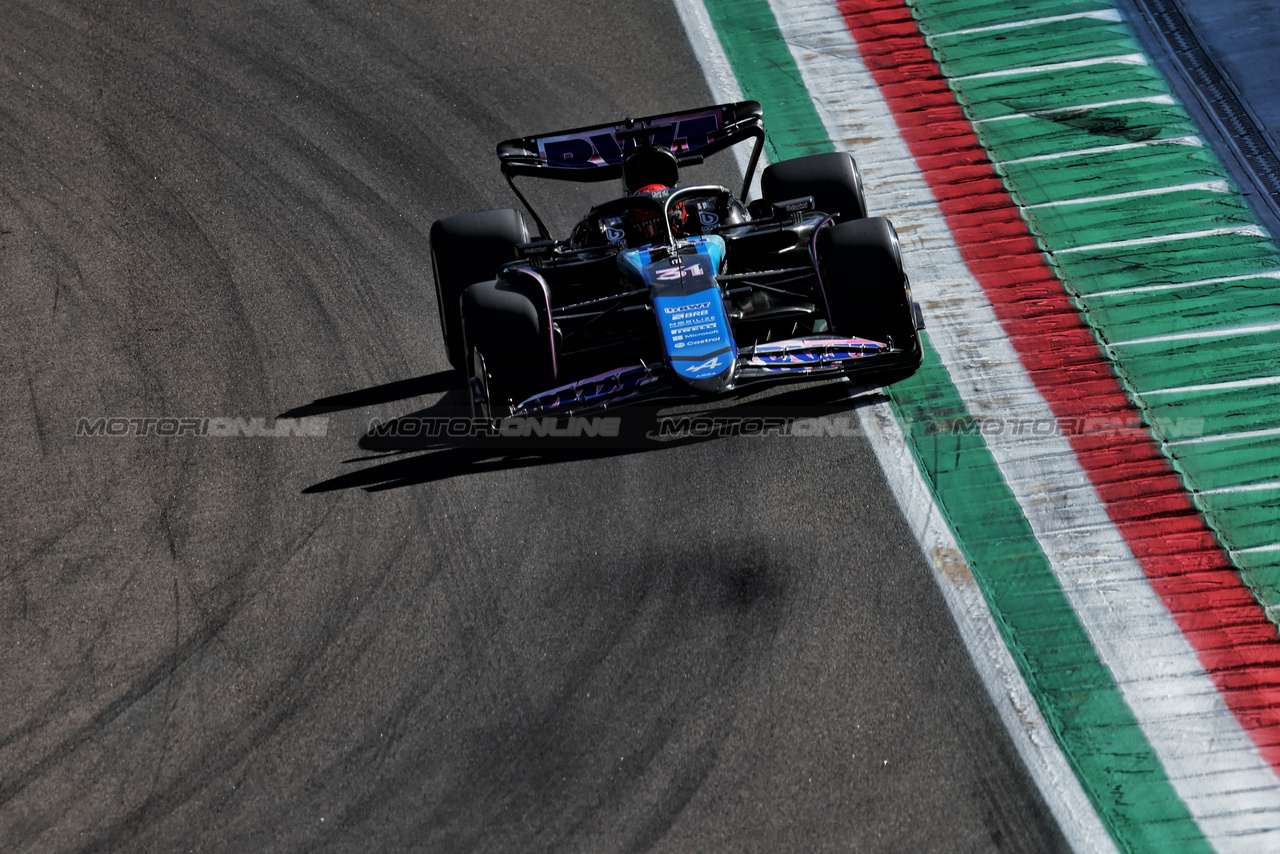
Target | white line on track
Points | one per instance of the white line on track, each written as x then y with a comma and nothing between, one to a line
1244,487
1243,436
1203,186
1173,286
1100,15
1119,59
1107,149
1253,382
1273,547
1232,332
1082,108
1242,230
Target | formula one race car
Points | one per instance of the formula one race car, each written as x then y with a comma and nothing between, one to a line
671,291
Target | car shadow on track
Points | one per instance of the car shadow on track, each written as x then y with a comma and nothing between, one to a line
443,441
441,381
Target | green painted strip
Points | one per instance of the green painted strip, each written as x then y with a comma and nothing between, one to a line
1057,89
1173,365
1127,315
1100,151
1077,129
1231,255
1232,410
963,14
1250,514
1212,464
758,54
1114,171
1059,41
1076,692
1180,212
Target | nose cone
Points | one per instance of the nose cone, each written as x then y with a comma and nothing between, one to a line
697,341
712,375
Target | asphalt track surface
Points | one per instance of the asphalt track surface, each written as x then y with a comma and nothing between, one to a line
255,643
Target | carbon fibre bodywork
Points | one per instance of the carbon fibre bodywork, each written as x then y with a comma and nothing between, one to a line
685,292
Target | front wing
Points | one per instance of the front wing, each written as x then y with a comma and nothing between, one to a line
796,359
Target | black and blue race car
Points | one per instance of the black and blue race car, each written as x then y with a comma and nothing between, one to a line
671,292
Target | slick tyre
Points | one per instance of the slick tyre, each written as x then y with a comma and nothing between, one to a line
832,179
465,249
510,334
864,283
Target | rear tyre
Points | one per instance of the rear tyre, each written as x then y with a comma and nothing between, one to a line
865,285
832,179
509,333
465,249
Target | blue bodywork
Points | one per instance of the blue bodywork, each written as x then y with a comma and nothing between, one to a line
698,344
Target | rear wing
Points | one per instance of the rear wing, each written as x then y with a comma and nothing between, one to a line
595,153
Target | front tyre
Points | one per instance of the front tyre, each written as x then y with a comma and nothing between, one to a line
865,285
465,249
508,346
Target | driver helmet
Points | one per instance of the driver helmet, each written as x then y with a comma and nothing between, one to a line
647,221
